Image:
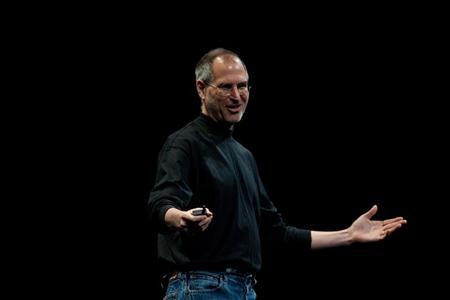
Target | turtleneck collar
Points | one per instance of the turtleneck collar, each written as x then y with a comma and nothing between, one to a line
217,128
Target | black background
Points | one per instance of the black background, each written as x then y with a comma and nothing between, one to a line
339,119
344,113
347,110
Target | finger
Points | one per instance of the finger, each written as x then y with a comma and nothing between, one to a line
391,228
205,221
392,225
204,227
194,219
388,221
208,213
387,232
183,225
394,228
371,212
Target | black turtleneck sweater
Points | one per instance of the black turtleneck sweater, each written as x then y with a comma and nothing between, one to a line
202,164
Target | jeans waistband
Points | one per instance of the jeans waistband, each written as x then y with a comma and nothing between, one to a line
229,275
246,277
226,271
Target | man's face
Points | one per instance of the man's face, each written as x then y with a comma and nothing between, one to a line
225,99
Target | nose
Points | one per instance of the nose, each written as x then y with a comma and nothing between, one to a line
234,93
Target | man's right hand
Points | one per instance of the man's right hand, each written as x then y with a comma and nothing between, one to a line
186,221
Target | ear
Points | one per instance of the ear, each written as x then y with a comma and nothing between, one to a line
201,86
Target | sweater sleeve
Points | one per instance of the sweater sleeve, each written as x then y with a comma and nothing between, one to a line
171,187
272,225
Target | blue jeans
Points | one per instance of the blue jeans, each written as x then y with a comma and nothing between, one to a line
198,285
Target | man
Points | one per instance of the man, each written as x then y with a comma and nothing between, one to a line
213,252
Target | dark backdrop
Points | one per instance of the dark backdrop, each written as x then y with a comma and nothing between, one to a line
344,113
336,123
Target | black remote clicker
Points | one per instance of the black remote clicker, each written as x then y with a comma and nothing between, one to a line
200,211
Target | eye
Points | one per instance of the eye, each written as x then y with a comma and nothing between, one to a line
226,86
242,86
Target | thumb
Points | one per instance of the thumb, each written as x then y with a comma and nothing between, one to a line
371,212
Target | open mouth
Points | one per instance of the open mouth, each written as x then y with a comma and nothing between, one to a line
234,108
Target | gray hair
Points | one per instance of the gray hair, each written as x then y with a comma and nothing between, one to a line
203,70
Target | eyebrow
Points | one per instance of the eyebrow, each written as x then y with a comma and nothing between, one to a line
229,83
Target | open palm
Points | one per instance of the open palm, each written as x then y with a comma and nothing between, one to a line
364,229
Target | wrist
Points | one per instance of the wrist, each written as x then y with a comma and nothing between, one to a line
171,217
349,235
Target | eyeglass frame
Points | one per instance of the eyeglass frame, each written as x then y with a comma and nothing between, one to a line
227,91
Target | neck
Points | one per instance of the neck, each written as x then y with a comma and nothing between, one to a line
222,122
228,127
